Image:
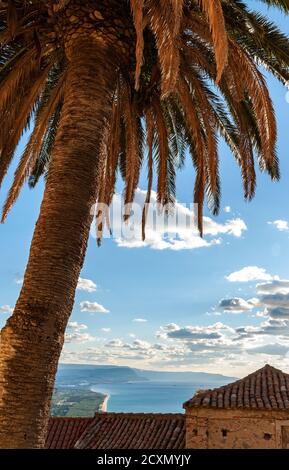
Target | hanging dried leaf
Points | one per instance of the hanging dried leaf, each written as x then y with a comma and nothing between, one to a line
214,12
137,12
12,18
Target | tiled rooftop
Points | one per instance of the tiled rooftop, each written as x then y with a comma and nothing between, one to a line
134,431
266,388
64,432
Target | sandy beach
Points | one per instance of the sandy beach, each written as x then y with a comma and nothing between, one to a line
103,407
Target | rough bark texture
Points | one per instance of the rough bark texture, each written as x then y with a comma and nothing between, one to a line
32,339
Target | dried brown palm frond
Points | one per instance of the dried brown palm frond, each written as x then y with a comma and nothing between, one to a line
214,12
150,137
20,120
178,6
255,85
33,148
133,147
162,24
137,11
163,152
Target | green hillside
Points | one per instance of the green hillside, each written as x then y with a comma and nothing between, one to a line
75,402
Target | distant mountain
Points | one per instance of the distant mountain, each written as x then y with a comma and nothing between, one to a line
85,375
200,377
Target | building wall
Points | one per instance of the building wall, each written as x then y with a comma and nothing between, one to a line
235,429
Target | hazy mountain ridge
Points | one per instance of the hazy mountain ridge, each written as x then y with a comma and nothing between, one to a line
167,376
77,374
86,374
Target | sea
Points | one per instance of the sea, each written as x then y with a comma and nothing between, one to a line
148,396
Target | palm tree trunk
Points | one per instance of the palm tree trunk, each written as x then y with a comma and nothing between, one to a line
32,338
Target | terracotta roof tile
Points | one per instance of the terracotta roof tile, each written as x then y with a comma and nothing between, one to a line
134,431
266,388
64,432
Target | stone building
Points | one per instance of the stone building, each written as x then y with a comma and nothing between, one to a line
250,413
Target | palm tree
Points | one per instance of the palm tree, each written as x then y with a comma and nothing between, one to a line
98,81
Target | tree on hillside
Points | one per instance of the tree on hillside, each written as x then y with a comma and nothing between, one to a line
105,84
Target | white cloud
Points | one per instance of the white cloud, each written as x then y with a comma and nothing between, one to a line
75,333
114,343
86,285
235,305
274,349
19,281
275,300
227,209
274,327
278,312
92,307
281,225
178,233
6,309
76,337
250,273
274,287
193,333
255,302
234,227
75,326
218,347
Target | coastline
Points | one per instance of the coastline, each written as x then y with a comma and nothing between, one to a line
103,407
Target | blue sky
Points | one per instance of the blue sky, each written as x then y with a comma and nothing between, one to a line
180,309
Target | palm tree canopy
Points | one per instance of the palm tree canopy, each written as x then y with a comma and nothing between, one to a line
188,72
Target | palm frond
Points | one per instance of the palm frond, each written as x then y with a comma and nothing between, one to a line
282,4
137,11
150,137
214,12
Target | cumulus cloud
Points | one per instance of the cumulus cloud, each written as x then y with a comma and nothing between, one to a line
235,305
176,232
75,326
215,346
75,333
212,332
193,333
86,285
281,225
92,307
255,302
275,300
6,309
76,337
272,326
277,286
114,343
278,312
117,351
227,209
250,273
274,349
